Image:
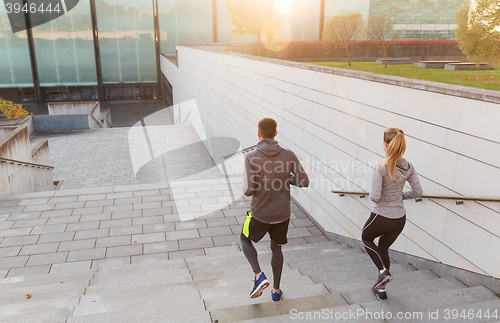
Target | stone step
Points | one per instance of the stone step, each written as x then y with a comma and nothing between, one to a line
132,282
146,314
57,315
400,289
43,292
244,299
143,269
357,272
243,265
236,259
425,301
136,277
34,306
335,257
243,269
174,263
345,314
299,256
256,311
308,249
355,284
460,314
241,280
236,287
319,248
351,266
46,279
334,264
187,300
105,296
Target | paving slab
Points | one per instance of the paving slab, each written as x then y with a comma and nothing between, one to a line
460,314
43,292
362,283
241,285
121,251
35,306
39,248
57,315
137,292
241,313
423,302
13,262
10,251
146,314
86,254
244,299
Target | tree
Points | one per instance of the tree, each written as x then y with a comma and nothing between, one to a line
379,28
478,30
253,17
343,29
11,110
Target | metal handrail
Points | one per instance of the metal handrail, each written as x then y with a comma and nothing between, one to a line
13,161
446,197
240,152
95,119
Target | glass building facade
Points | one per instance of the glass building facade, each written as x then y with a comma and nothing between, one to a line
15,69
65,52
121,62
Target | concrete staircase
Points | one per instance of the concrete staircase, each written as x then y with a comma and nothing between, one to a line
319,277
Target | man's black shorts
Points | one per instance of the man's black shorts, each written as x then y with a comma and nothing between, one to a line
255,230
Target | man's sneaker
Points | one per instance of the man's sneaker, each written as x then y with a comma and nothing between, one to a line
380,294
259,285
383,279
277,296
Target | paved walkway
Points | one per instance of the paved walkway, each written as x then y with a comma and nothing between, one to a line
128,114
123,156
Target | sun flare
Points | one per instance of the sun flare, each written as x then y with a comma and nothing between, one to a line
282,7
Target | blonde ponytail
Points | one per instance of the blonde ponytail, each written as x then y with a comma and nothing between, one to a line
396,146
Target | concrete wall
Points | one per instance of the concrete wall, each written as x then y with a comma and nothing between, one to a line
71,108
43,180
334,119
8,125
61,122
20,178
16,145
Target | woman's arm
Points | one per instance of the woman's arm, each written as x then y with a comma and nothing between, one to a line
416,188
376,193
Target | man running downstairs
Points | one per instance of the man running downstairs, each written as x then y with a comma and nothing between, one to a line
269,172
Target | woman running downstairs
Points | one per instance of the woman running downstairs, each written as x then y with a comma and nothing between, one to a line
388,215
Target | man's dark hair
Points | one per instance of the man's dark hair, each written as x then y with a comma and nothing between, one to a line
267,128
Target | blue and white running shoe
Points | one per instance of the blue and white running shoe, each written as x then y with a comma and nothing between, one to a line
259,285
277,296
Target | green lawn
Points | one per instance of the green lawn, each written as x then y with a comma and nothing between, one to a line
489,80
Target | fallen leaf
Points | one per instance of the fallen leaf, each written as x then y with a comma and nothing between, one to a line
28,295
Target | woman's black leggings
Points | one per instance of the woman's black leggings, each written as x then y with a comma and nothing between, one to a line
388,230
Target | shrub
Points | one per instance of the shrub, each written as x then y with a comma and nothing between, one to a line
11,110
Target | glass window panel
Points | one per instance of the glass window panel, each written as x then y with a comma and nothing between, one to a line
341,7
184,22
126,38
302,22
15,66
224,27
65,50
127,93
